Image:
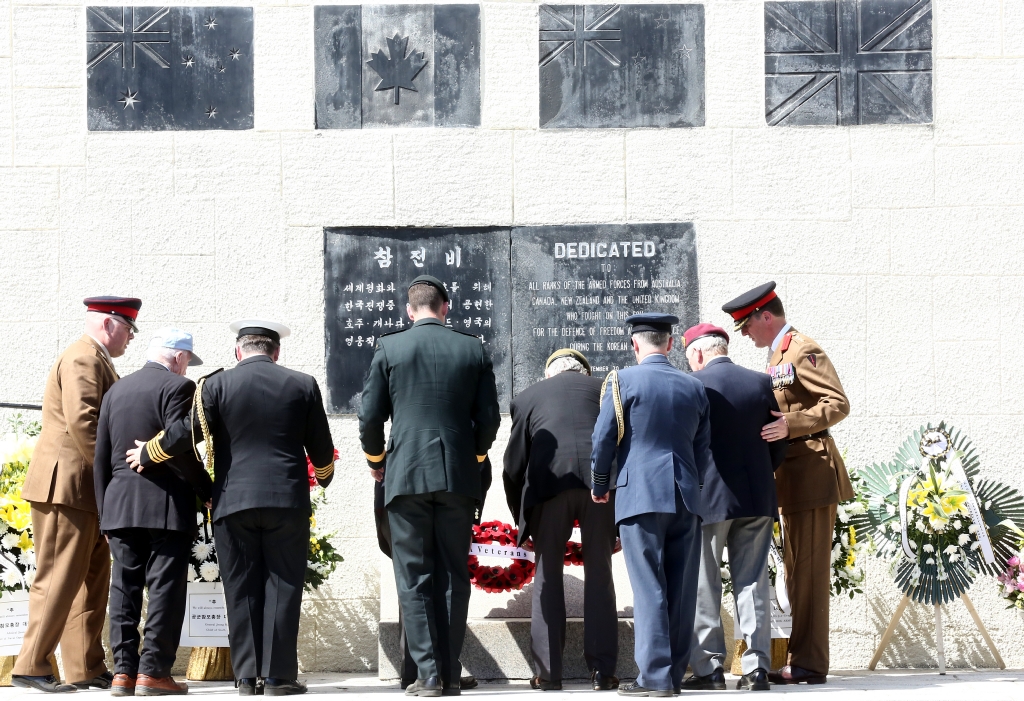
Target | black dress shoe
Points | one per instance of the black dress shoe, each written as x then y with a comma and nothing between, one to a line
634,689
283,687
431,686
754,681
469,682
791,674
102,681
48,683
451,689
709,682
603,682
249,687
545,685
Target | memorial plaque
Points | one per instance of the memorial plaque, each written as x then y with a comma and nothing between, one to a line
397,65
621,66
848,62
366,276
574,286
169,68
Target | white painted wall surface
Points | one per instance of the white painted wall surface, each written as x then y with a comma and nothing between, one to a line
899,248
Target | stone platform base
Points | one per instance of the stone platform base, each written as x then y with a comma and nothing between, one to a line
499,648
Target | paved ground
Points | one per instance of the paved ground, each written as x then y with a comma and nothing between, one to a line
956,685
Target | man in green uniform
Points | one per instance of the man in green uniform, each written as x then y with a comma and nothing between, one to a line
436,385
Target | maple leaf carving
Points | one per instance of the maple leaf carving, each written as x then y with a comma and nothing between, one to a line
398,71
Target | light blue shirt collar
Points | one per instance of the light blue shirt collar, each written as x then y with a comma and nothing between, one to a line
778,339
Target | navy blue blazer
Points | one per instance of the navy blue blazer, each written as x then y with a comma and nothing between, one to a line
741,483
666,445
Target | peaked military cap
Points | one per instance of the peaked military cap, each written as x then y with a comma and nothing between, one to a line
749,302
260,327
652,322
125,308
433,282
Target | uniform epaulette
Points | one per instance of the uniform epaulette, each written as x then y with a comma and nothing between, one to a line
784,345
392,333
206,377
466,333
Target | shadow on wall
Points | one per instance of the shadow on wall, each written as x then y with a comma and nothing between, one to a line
913,642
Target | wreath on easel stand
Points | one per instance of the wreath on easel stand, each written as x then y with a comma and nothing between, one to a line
520,572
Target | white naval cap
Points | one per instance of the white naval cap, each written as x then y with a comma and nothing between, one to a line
260,327
175,339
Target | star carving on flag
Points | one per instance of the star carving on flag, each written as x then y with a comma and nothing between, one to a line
399,70
235,53
211,111
134,33
128,98
211,23
188,61
574,32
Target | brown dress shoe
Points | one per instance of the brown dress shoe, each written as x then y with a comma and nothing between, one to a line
791,674
123,685
146,685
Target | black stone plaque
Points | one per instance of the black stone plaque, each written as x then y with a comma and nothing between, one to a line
848,62
397,65
366,276
169,68
574,286
621,65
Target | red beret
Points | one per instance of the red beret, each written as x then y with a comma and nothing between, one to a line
701,331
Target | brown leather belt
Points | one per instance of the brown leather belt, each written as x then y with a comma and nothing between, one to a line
819,434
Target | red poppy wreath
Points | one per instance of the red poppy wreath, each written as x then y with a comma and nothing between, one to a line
493,579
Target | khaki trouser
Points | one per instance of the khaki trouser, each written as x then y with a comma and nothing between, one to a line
68,599
808,554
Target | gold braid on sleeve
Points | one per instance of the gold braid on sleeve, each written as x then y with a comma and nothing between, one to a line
197,406
613,378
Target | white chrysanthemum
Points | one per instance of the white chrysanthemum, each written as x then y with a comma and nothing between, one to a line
922,526
209,571
10,540
958,524
201,551
27,558
954,557
964,539
845,540
894,526
950,549
972,528
725,573
913,545
975,545
30,576
192,573
928,548
930,561
890,509
988,504
3,527
841,514
11,578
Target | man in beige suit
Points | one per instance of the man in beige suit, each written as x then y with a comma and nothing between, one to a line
813,478
68,598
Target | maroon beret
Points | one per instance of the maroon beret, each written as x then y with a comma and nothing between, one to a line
701,331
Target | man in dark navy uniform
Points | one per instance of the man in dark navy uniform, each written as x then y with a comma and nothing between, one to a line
739,508
656,421
437,387
149,518
259,421
547,485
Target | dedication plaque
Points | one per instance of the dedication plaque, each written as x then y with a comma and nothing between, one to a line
366,275
574,286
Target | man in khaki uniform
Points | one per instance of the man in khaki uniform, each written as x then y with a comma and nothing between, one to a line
813,478
68,598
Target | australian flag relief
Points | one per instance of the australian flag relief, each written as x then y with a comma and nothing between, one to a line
169,68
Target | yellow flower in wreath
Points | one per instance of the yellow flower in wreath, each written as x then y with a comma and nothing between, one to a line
25,543
937,518
955,503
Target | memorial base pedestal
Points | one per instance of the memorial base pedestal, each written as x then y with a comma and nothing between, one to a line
7,667
210,664
780,649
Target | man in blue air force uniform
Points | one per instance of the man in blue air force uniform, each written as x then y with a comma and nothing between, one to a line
655,420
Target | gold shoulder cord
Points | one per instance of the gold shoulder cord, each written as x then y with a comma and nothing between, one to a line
620,423
197,406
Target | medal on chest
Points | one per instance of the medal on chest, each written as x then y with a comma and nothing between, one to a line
782,375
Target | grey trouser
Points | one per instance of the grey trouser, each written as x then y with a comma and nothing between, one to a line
748,540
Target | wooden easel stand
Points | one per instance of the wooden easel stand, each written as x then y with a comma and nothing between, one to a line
939,646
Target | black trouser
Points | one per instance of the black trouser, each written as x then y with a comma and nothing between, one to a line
430,537
158,559
263,554
550,527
